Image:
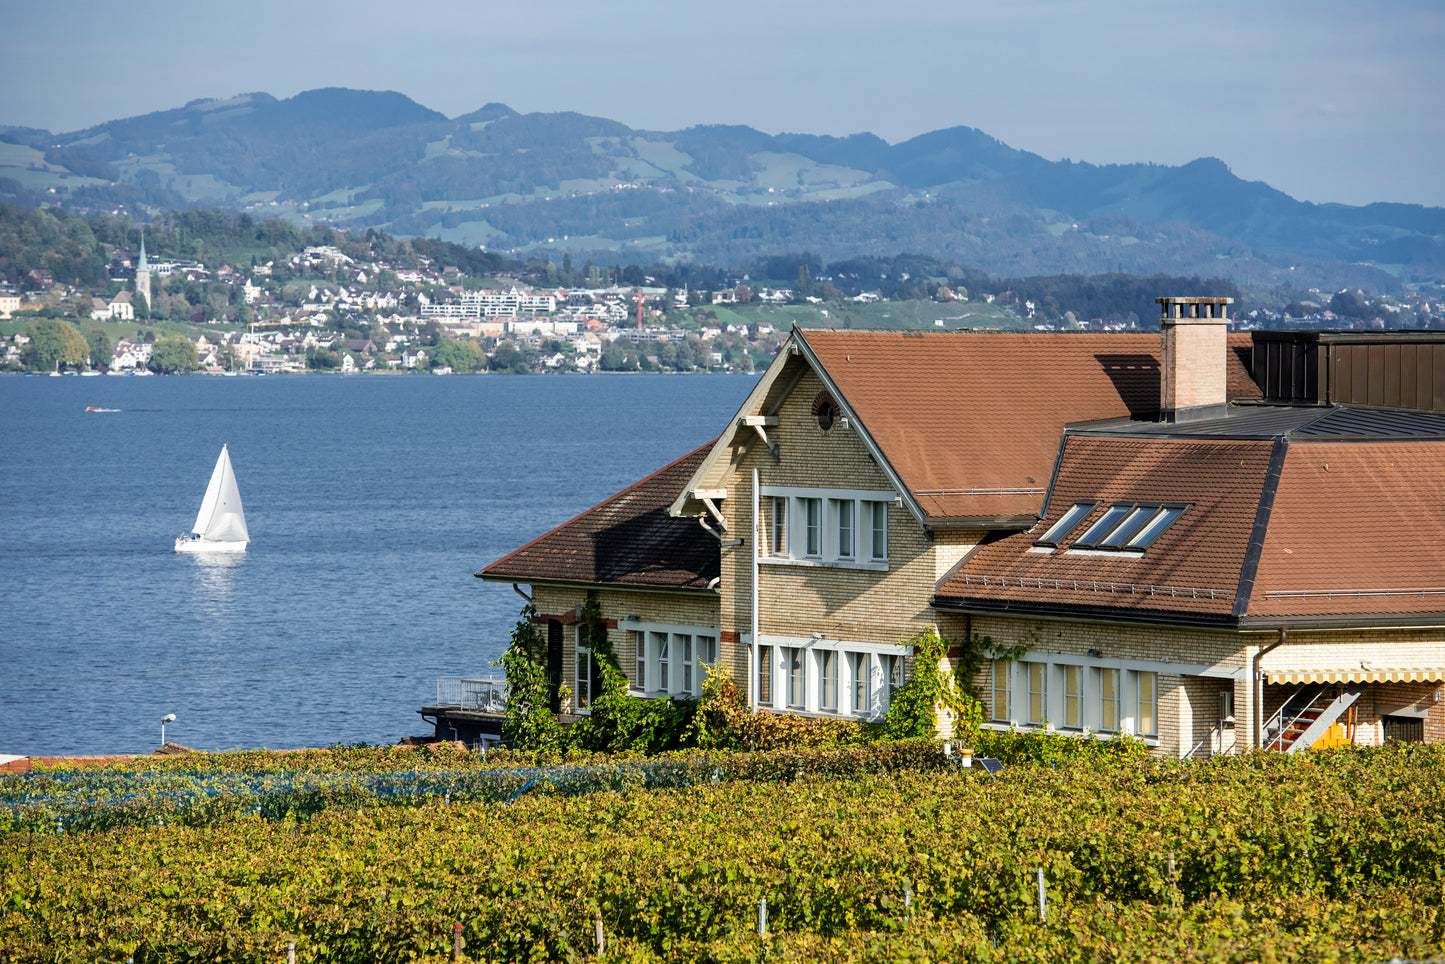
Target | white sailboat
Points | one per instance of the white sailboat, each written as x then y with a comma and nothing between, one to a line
221,523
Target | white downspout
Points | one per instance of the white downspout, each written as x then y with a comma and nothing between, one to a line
753,647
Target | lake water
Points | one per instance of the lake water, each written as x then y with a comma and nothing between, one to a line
371,501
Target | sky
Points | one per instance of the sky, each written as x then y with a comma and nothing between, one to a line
1327,100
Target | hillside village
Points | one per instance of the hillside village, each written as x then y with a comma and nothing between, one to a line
322,309
380,316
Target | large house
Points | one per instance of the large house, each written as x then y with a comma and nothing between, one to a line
1206,541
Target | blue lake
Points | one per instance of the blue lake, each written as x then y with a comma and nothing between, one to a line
371,501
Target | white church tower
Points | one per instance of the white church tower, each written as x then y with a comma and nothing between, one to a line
143,276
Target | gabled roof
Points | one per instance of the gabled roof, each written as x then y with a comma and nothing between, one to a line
967,424
627,540
970,421
1289,530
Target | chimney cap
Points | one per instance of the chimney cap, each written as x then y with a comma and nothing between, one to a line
1177,310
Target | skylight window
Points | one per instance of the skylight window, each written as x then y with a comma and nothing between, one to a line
1065,525
1096,532
1136,518
1151,530
1129,526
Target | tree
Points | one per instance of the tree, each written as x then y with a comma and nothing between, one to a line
805,282
81,306
53,342
172,356
459,356
1347,304
507,357
102,352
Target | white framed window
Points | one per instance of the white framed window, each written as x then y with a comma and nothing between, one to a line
847,527
639,663
663,642
892,675
765,675
587,678
1148,686
1038,680
1073,697
812,528
828,680
1109,700
831,527
1002,690
780,526
685,655
877,515
860,668
795,664
706,659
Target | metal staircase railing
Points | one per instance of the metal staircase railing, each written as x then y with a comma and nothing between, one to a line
1284,728
1305,717
1324,721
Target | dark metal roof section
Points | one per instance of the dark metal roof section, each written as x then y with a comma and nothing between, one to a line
1297,422
1398,369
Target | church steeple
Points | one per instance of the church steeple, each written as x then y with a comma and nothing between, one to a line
143,275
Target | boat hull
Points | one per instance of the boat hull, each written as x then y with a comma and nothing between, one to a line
208,545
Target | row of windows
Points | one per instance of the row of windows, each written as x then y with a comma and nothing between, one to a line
1124,525
672,663
827,680
666,664
829,529
1097,698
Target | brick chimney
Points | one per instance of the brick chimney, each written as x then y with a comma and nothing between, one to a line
1192,385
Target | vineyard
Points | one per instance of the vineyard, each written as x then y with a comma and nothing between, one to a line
878,853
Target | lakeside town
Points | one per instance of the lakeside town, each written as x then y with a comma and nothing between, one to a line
324,309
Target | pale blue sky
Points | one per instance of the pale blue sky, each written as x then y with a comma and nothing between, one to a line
1328,100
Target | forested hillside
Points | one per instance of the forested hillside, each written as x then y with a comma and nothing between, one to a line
544,184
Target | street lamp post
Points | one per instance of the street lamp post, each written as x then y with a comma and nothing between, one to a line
168,718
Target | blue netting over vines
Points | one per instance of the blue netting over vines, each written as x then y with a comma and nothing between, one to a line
91,799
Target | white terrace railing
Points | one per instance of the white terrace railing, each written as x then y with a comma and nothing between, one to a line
475,694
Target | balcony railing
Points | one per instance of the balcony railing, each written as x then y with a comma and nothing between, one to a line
477,695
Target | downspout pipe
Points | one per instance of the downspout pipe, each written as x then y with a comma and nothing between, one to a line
1259,685
753,615
518,590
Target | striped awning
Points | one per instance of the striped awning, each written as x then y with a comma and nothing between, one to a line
1354,675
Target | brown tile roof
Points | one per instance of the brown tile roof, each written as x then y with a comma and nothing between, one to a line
627,540
1357,529
971,421
1192,568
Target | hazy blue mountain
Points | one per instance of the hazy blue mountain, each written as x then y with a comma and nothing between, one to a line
724,194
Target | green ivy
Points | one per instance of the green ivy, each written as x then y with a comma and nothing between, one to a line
913,712
529,724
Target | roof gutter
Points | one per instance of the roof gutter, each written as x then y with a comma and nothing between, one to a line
621,586
909,501
1081,613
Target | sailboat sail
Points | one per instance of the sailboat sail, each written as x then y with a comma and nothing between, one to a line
221,518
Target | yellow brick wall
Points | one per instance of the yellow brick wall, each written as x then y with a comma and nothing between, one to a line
1188,705
853,604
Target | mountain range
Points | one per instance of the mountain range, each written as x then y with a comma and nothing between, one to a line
554,183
